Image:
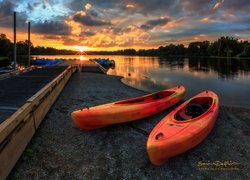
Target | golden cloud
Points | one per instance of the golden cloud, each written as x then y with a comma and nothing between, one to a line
88,6
130,6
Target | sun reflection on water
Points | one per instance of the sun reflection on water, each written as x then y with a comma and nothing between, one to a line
229,78
83,58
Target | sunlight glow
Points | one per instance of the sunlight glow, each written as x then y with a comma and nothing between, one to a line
83,58
82,48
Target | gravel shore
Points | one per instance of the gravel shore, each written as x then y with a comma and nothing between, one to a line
59,150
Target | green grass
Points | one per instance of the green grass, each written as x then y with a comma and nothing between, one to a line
27,154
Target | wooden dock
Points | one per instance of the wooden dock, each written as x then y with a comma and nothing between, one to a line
14,73
25,100
87,66
26,97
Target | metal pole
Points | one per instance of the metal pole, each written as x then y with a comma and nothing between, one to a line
14,40
29,44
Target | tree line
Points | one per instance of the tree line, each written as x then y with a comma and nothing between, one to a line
223,47
6,48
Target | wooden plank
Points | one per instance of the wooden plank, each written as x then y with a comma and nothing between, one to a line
18,129
35,99
14,120
15,146
44,107
9,124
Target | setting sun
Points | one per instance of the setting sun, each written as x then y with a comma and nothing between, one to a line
82,48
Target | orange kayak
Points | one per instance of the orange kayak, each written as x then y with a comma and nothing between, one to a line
126,110
183,128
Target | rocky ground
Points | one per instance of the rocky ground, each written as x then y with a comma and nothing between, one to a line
59,150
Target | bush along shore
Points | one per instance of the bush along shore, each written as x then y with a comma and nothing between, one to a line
60,150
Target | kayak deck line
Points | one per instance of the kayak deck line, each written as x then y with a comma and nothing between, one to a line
27,113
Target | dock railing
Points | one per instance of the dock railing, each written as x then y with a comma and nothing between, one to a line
17,130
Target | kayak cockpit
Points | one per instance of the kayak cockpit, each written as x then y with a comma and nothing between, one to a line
148,98
196,107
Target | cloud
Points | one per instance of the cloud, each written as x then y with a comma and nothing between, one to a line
130,6
127,23
153,7
53,37
6,13
218,4
205,19
155,22
89,20
196,7
51,28
6,8
88,6
32,6
70,41
120,31
6,16
42,10
159,7
236,6
88,33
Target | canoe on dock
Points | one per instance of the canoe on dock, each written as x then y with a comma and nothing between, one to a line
127,110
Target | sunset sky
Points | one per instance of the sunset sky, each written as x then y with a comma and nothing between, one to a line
119,24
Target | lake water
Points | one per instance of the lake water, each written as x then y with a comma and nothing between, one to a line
229,78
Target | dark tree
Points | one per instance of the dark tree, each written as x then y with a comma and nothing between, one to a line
5,46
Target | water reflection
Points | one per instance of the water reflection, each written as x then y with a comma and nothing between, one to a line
230,78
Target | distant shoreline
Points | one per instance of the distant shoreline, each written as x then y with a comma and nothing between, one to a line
209,57
149,56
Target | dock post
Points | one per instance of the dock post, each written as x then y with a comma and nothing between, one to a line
28,44
14,41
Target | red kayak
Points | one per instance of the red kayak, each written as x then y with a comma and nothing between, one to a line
183,128
127,110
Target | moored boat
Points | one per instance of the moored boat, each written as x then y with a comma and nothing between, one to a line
46,62
106,63
183,128
127,110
